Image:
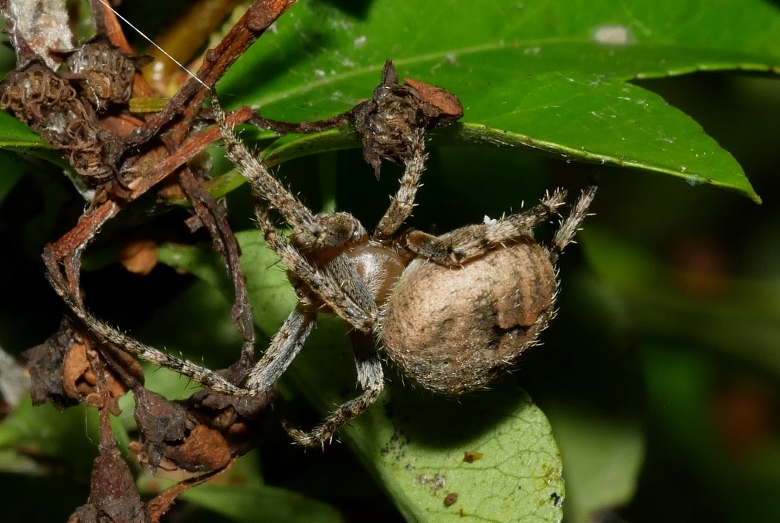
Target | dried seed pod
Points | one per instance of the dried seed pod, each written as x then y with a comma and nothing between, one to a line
391,117
441,107
389,120
453,330
105,72
31,93
50,105
73,130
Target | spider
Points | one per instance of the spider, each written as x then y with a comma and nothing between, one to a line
450,311
420,296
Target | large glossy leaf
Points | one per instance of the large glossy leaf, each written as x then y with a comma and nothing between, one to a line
577,117
521,68
479,44
543,74
416,445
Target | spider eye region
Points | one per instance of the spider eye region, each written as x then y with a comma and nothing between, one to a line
453,330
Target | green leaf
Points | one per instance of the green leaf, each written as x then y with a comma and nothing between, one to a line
18,138
541,75
14,133
250,504
602,457
240,495
738,317
414,444
577,117
598,120
315,46
548,75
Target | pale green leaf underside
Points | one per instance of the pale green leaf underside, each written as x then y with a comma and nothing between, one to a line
416,444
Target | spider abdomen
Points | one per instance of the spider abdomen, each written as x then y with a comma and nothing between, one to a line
452,330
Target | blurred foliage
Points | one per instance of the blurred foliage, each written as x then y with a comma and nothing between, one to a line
659,376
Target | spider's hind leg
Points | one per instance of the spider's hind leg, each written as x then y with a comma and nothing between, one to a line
472,241
568,228
371,378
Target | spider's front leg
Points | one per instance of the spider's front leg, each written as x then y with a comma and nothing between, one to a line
367,361
326,280
462,245
402,204
315,257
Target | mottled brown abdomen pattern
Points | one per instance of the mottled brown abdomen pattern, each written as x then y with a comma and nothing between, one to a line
452,330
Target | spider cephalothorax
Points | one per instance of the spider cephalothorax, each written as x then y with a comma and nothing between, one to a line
451,311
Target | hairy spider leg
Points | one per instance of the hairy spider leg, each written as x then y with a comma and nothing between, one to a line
462,245
360,313
371,378
402,204
569,227
202,375
284,347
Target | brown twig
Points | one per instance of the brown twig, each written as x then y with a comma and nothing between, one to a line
214,218
184,106
139,160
